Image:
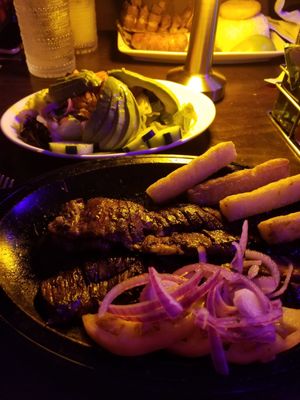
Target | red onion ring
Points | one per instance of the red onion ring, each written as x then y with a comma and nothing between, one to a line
172,307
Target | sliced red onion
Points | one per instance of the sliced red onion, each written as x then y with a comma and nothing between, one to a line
138,309
237,321
202,255
223,308
283,288
120,288
148,293
243,281
206,268
217,352
69,106
237,262
201,291
268,262
253,270
170,305
266,283
244,237
247,303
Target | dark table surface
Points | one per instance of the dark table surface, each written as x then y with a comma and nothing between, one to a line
30,372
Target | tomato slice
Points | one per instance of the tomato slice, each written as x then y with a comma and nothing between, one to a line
287,336
130,338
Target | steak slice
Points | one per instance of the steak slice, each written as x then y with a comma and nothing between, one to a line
70,294
217,244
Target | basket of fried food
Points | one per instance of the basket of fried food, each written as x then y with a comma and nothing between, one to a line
153,26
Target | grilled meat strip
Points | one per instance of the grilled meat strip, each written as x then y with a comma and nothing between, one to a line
217,244
72,293
106,222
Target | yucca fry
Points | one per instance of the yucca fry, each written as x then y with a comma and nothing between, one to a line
192,173
266,198
280,229
212,191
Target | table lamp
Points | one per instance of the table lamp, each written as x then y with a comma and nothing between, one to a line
197,71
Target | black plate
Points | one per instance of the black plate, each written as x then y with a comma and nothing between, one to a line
24,216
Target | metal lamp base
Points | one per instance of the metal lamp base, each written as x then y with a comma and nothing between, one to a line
211,84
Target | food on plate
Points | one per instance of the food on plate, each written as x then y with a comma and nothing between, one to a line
211,191
232,314
159,41
162,119
71,147
88,112
239,9
173,277
137,82
255,43
239,20
154,137
241,27
139,17
280,229
287,337
152,27
105,222
196,171
213,244
115,119
274,195
133,338
131,230
69,294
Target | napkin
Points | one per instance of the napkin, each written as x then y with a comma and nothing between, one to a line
288,26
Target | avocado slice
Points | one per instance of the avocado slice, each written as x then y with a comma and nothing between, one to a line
128,120
119,128
116,117
102,121
164,94
134,118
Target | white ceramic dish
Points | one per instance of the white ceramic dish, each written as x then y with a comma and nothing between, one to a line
219,57
203,106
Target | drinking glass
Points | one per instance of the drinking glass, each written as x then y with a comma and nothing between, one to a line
47,37
84,25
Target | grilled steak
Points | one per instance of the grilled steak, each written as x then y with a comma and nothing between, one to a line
217,244
70,294
106,222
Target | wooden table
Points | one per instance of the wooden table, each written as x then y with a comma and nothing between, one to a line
242,116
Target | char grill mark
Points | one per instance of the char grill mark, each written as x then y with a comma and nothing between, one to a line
70,294
127,223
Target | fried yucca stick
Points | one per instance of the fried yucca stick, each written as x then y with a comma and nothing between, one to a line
192,173
280,229
266,198
212,191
